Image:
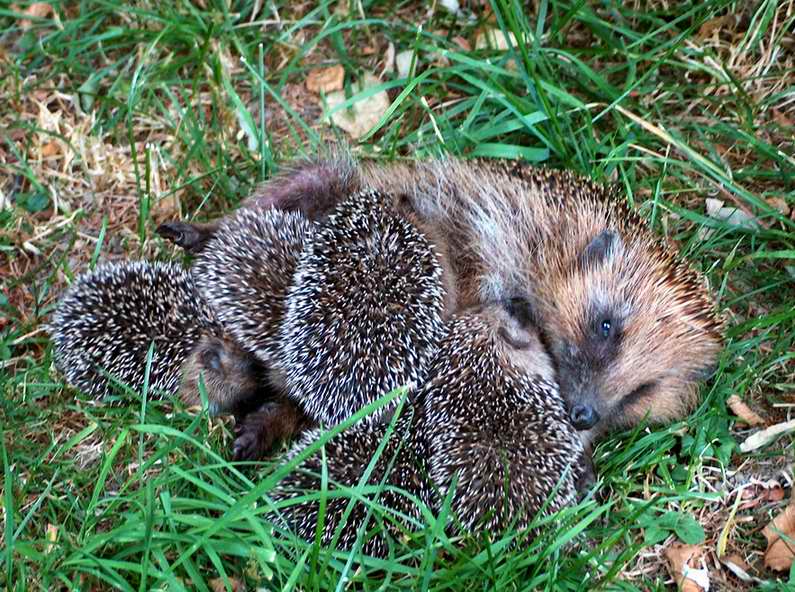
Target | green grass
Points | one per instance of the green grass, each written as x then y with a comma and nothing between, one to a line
179,107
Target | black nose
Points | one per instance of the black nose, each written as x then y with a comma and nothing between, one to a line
583,417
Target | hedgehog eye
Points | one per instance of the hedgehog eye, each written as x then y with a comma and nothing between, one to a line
606,328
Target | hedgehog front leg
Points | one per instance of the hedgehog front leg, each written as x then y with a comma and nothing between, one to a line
276,421
192,237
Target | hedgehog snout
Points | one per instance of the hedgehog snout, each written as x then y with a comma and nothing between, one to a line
583,416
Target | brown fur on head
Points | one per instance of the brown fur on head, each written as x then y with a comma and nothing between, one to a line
233,379
631,328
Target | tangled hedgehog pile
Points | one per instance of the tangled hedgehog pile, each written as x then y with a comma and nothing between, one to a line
528,311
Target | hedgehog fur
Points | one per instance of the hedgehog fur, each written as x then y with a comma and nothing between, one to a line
365,312
108,318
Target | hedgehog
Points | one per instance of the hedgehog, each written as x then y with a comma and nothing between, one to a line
393,496
494,424
489,419
108,318
631,327
105,323
365,311
245,271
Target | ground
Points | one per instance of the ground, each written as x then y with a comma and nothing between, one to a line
118,117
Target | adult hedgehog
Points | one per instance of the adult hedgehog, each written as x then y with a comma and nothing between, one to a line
631,327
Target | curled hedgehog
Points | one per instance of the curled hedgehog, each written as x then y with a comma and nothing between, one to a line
108,318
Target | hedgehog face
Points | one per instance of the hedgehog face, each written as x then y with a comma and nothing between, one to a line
232,377
630,332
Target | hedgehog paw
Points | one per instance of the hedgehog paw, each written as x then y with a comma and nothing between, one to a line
190,237
587,476
254,438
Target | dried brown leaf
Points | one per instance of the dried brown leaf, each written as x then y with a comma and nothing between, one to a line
743,411
325,79
778,203
713,25
52,536
217,585
462,43
683,567
166,208
35,10
782,119
738,561
49,149
363,114
780,553
775,493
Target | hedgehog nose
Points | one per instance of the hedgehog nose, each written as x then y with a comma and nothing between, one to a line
583,417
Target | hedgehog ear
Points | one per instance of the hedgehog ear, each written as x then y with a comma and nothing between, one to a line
606,245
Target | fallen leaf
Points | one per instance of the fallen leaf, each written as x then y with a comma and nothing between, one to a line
217,585
35,10
462,43
403,63
325,79
682,563
682,566
738,561
779,204
782,119
52,536
733,216
494,39
166,208
49,149
766,436
744,412
780,553
713,25
774,492
364,113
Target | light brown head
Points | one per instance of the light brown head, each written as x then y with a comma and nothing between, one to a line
631,328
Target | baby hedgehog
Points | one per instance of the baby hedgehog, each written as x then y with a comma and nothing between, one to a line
365,312
493,423
108,318
245,271
394,491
